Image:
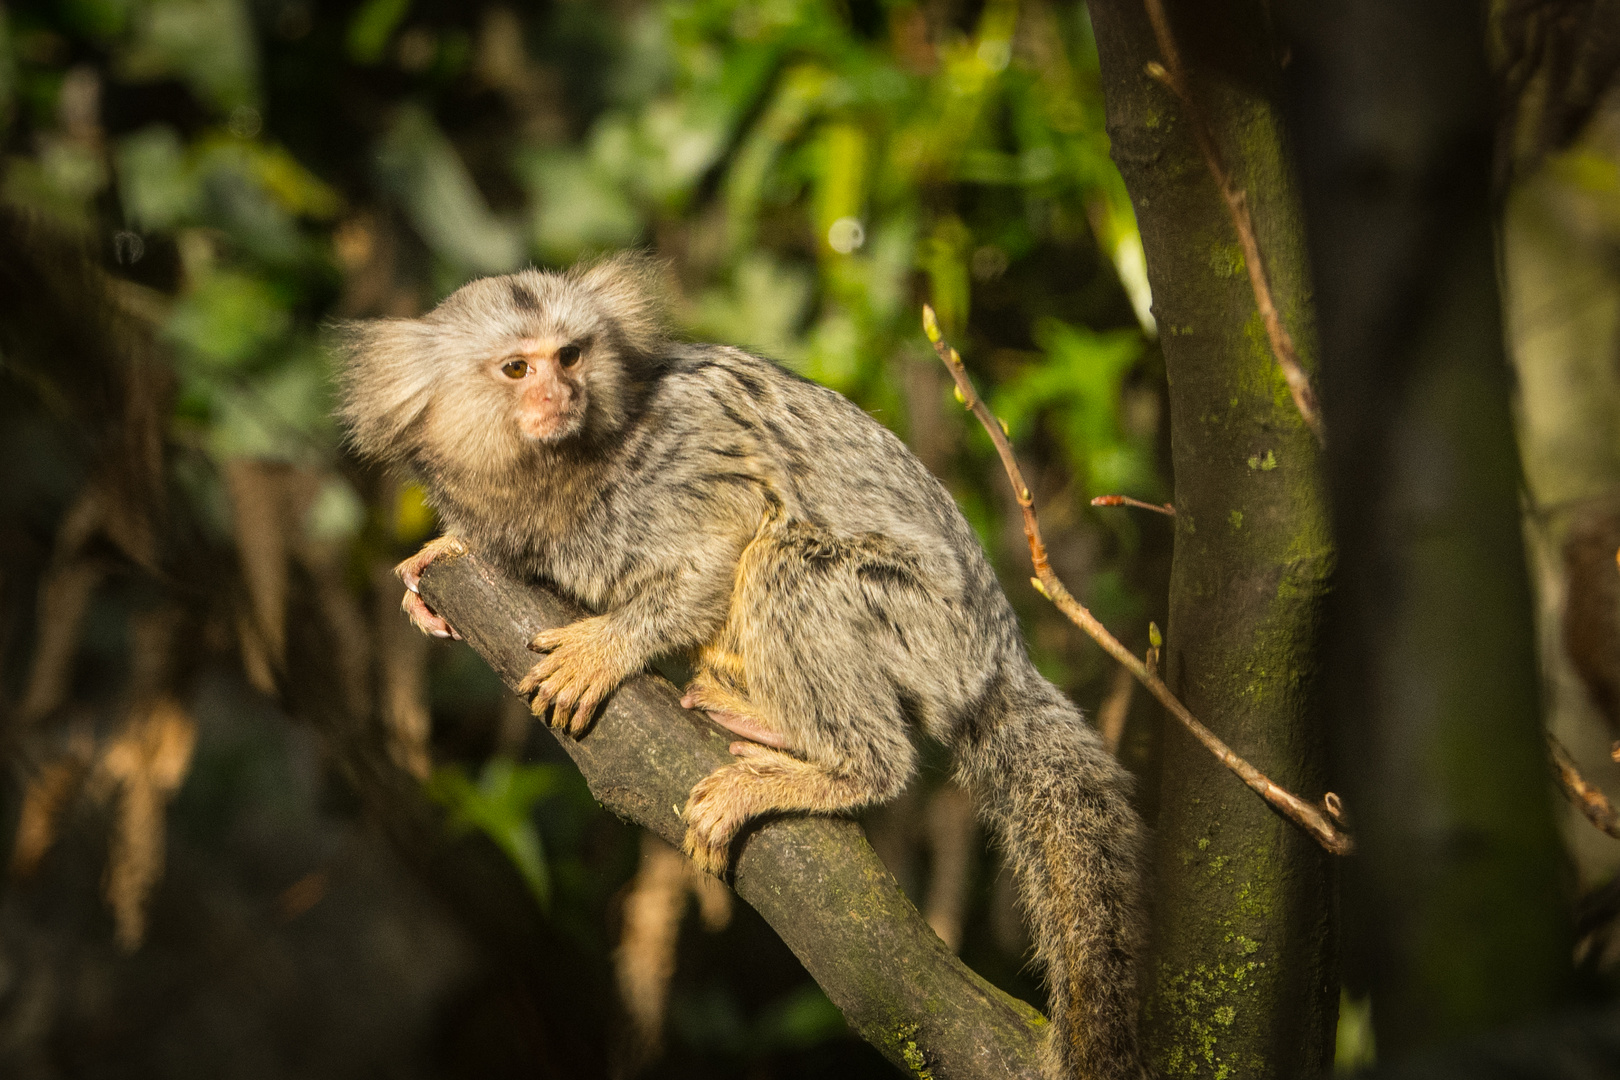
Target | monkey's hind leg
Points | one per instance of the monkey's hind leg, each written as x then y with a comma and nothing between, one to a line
761,781
719,689
803,659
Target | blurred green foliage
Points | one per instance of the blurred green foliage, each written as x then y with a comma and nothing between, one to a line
813,169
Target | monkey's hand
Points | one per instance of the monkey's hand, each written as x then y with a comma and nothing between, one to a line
410,572
584,661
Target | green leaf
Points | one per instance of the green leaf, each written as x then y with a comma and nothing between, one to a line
280,176
371,28
578,207
800,90
207,43
803,1018
500,805
762,307
281,414
1077,386
156,181
841,189
99,19
944,258
228,319
421,167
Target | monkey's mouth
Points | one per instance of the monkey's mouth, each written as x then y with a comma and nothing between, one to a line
551,426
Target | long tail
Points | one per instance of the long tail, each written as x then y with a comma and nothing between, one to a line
1060,804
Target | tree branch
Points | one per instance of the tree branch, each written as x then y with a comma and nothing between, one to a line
1174,76
1310,818
1167,509
814,879
1587,798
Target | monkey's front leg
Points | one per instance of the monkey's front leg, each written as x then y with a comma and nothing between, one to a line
584,661
423,617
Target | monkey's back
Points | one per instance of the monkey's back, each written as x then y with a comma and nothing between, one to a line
834,467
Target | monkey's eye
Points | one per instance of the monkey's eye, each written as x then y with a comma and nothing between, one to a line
515,369
568,355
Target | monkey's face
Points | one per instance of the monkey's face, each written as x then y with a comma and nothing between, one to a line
548,378
505,366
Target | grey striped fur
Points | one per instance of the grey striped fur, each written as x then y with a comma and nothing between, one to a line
710,503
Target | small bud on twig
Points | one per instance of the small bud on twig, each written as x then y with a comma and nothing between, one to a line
931,324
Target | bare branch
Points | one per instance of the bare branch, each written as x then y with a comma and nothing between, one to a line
1173,75
1588,799
1125,500
1312,819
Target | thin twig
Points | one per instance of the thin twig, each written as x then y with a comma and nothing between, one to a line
1311,818
1591,802
1125,500
1173,75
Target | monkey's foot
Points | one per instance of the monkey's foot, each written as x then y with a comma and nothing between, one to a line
584,662
730,712
722,802
423,617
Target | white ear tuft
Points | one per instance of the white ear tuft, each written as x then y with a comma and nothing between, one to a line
386,382
633,288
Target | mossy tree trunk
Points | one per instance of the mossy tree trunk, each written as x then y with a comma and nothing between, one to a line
1452,905
1244,978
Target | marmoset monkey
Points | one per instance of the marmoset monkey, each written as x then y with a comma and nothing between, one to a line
831,596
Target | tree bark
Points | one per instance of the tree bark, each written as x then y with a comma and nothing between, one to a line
1244,978
814,879
1453,904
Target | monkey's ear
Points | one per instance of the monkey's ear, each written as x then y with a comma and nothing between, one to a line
634,288
385,380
